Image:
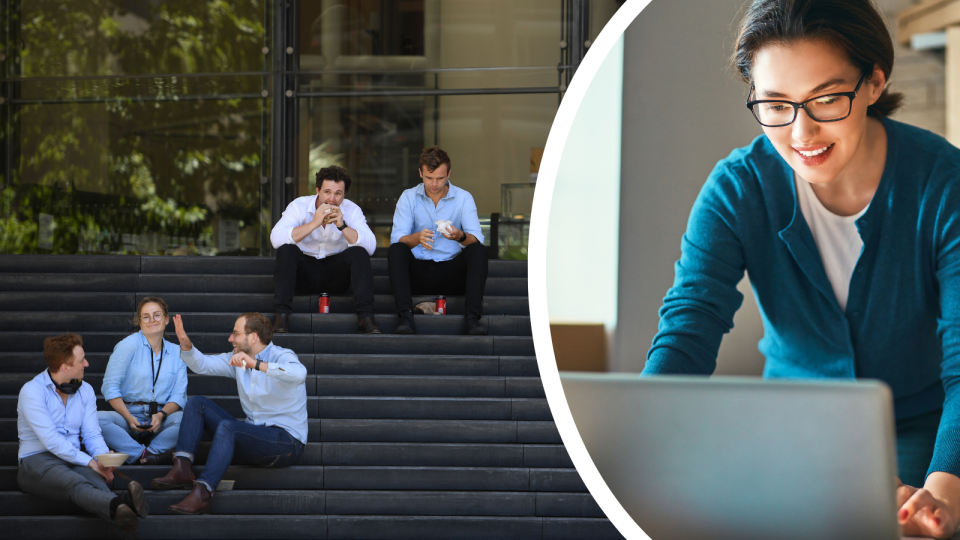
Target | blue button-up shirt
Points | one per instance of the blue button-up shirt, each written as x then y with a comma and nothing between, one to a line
45,424
130,373
275,398
416,212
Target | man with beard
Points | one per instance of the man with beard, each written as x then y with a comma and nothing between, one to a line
270,381
323,245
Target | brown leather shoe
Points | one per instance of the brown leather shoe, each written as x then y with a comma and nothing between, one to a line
367,326
127,519
180,476
197,502
281,325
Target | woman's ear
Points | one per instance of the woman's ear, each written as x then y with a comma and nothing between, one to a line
876,82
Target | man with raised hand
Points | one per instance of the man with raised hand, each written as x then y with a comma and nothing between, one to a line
54,410
323,245
451,260
270,381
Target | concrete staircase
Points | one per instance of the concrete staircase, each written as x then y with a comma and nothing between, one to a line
431,436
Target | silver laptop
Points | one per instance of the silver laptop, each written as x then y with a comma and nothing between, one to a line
736,458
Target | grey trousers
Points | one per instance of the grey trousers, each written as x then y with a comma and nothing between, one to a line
45,475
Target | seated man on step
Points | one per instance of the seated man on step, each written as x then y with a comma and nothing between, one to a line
270,381
54,410
425,258
323,245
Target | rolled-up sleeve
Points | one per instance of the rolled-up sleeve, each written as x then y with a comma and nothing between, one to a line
282,233
470,221
402,217
120,359
358,222
287,368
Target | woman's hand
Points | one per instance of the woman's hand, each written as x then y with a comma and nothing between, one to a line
134,424
185,343
922,514
155,420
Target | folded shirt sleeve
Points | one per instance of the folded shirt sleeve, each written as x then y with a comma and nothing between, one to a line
402,218
470,221
287,368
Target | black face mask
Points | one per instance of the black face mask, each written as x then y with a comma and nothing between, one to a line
68,387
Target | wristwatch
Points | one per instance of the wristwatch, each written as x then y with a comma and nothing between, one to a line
257,367
463,238
342,228
164,413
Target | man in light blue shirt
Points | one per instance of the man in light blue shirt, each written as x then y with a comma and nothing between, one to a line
436,245
273,394
54,410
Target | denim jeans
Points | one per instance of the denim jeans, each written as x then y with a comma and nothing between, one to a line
252,445
47,476
118,434
916,437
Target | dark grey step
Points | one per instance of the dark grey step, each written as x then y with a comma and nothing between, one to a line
546,456
568,505
276,502
265,265
416,408
427,478
423,454
86,302
530,409
297,477
99,264
556,480
538,432
69,283
579,528
336,364
435,527
58,321
164,527
448,431
204,385
410,385
436,503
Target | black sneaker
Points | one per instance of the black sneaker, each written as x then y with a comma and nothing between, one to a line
472,326
406,326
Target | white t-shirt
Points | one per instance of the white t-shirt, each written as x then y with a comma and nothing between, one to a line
837,239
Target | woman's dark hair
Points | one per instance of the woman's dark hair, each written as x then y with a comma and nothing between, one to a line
853,26
147,300
335,174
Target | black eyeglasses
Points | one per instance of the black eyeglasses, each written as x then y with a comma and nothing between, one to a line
825,108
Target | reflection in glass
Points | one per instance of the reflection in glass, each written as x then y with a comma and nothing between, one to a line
131,177
134,37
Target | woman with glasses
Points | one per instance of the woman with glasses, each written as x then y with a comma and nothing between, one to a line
849,226
146,384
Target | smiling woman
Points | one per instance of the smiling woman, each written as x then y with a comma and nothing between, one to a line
847,224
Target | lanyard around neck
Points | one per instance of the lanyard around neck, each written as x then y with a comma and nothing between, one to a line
156,375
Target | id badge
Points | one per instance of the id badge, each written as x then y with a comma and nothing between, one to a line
153,408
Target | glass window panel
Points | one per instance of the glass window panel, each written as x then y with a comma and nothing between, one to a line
416,34
490,140
133,37
139,177
418,80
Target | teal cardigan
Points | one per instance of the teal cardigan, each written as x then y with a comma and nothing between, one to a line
902,322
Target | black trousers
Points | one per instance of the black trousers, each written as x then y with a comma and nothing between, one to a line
296,273
464,274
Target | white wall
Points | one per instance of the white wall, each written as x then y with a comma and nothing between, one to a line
582,239
683,110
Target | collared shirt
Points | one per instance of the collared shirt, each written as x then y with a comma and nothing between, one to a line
323,241
416,212
902,319
275,398
130,373
45,424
